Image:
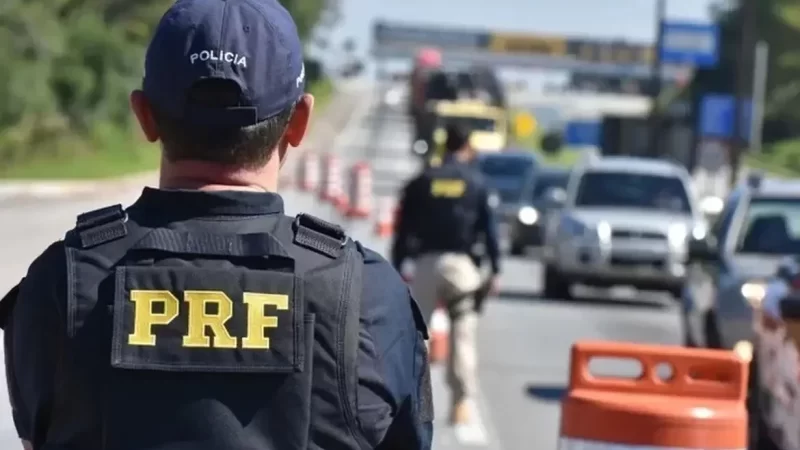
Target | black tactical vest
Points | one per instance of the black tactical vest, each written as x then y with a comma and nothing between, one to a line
215,341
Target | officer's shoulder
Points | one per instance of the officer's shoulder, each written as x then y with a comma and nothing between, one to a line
51,261
382,269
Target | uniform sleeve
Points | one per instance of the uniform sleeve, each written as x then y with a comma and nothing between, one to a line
487,223
401,225
394,395
32,342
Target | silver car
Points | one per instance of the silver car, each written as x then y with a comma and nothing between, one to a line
624,221
758,228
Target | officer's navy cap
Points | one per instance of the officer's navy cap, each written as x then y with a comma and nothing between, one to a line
253,43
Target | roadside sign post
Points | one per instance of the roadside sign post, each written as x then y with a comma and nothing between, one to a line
759,93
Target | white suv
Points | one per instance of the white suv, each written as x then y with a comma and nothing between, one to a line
624,221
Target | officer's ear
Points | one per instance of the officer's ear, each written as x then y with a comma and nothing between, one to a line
144,114
298,123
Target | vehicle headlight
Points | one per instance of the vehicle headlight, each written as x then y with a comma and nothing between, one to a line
699,232
604,231
528,215
677,234
494,200
712,205
744,350
754,292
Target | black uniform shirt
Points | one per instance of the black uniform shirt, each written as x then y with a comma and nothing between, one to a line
391,349
455,224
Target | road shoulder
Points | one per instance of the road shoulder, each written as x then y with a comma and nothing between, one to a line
336,114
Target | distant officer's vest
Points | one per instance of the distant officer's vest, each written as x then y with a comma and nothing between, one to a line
216,341
451,208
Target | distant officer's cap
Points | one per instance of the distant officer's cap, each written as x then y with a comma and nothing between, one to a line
253,43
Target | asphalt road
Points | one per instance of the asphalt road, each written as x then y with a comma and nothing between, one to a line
524,339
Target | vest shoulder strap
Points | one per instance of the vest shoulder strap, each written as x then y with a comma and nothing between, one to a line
319,235
100,226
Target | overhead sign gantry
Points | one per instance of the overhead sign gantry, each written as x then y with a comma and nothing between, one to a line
606,57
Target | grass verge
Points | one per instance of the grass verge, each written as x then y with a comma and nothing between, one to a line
121,152
781,159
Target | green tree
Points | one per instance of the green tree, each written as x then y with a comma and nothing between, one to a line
69,65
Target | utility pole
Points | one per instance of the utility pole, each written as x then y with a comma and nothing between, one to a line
760,75
748,22
656,81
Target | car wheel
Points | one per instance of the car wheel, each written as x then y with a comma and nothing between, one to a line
676,292
693,330
758,433
555,286
711,331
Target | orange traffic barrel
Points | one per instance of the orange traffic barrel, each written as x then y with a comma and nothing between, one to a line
439,335
331,183
360,191
700,405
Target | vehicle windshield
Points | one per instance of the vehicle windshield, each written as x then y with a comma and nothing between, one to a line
546,181
632,190
506,175
771,226
470,123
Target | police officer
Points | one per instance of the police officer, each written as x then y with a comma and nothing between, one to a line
202,317
443,211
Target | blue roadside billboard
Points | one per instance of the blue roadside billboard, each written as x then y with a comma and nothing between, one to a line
716,117
582,133
691,44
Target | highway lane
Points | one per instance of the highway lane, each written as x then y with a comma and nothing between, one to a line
524,340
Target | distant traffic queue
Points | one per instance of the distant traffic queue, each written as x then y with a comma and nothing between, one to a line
441,96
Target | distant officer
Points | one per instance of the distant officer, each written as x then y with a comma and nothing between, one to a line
444,211
202,317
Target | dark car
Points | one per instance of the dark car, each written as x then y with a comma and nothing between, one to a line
506,173
527,226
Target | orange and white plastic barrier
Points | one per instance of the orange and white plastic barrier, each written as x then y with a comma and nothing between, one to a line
701,405
439,334
308,172
360,191
331,186
384,226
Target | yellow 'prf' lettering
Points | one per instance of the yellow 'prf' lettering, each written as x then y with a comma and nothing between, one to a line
258,321
448,188
200,320
144,319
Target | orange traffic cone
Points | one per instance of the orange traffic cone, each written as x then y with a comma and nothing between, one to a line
439,334
701,405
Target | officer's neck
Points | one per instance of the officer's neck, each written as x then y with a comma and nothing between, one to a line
205,176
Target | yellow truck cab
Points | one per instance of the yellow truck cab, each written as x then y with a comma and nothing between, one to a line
489,125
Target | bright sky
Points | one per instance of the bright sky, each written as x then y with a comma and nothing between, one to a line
632,20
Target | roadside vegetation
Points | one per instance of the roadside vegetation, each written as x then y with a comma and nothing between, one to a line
69,66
